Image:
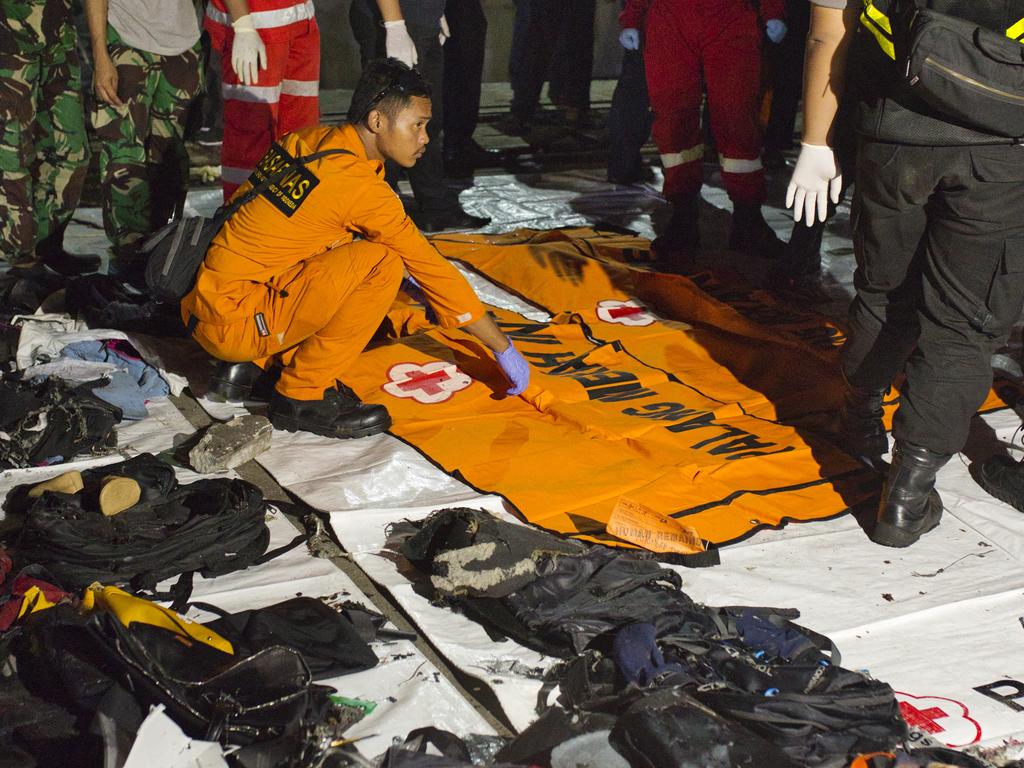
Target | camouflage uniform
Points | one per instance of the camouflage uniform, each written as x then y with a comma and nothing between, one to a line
143,162
44,152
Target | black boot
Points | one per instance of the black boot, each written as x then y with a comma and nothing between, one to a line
1002,477
751,234
861,432
339,414
910,505
243,381
680,242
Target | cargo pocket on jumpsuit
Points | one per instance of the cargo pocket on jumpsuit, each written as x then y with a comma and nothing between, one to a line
877,161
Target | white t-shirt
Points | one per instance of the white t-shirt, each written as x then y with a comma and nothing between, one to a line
167,27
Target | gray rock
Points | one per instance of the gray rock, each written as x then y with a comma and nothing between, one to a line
225,446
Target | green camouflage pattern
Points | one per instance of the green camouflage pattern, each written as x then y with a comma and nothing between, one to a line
44,151
143,161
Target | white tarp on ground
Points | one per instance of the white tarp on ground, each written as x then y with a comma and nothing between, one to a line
938,621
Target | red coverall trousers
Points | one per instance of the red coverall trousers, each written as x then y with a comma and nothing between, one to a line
717,43
284,99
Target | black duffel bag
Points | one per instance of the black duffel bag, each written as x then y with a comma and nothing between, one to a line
174,253
969,74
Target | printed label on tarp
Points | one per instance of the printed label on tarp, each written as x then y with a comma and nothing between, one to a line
652,530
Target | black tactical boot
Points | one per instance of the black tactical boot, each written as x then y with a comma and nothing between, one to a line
861,432
751,234
1002,477
243,381
339,414
910,505
680,242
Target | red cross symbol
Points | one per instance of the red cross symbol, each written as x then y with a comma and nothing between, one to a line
430,383
923,719
427,383
618,312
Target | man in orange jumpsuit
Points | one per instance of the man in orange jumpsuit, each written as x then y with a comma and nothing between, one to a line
690,44
286,281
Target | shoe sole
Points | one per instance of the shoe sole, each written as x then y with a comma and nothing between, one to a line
289,424
889,535
995,491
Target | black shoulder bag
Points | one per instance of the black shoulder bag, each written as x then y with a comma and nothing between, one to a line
174,252
966,72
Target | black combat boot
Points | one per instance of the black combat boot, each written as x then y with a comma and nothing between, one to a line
861,432
679,244
339,414
910,505
1002,477
751,234
243,381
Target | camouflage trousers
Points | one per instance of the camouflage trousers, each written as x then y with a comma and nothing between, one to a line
44,152
143,162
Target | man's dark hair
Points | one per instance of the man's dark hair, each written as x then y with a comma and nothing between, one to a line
387,85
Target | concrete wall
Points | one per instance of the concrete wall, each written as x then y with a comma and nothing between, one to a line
339,54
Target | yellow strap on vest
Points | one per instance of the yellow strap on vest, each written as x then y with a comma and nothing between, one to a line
878,24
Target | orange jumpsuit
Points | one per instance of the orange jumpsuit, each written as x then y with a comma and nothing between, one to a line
285,277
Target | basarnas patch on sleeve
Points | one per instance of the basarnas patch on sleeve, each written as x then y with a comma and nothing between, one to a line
288,193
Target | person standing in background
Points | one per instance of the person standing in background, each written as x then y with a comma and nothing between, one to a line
270,68
414,31
146,72
629,119
717,43
463,75
44,151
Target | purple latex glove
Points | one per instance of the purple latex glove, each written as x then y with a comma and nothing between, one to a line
415,292
515,368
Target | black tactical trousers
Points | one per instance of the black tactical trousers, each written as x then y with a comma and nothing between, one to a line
939,238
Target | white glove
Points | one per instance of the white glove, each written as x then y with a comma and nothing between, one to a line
398,44
248,53
776,30
630,39
816,180
445,33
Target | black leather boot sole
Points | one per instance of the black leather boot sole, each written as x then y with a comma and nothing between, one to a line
890,535
340,415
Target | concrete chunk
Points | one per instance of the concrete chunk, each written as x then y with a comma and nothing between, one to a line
225,446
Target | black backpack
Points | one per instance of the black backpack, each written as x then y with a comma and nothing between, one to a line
211,526
174,253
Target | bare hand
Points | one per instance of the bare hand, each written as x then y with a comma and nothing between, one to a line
104,81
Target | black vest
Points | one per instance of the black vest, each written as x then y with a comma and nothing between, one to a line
885,109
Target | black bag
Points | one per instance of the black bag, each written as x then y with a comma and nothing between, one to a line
174,253
212,526
48,422
966,72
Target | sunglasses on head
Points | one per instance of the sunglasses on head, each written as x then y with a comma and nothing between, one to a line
408,80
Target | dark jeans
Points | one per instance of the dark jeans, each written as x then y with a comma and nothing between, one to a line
939,239
629,119
427,176
463,71
557,37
